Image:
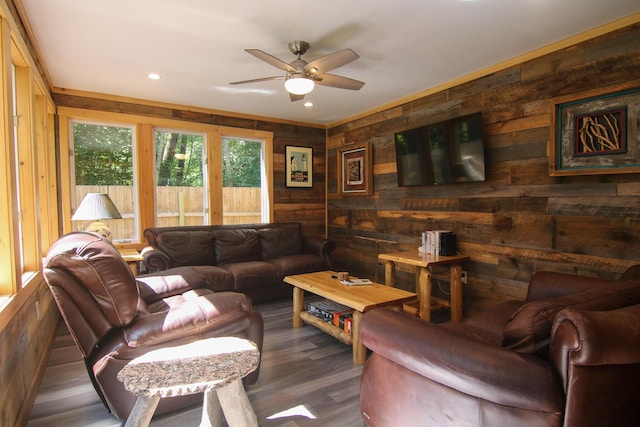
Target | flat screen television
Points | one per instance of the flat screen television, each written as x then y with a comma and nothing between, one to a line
442,153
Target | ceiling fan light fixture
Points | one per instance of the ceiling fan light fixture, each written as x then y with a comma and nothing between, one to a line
301,76
298,85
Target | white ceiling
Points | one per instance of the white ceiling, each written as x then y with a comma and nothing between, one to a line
197,46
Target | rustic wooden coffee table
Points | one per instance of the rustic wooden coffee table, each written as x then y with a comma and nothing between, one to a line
359,298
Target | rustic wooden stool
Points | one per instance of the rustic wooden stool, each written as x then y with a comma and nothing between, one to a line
214,366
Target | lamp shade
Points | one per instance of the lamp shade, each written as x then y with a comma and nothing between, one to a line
96,206
298,85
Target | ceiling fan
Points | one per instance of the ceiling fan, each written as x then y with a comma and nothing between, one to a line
301,76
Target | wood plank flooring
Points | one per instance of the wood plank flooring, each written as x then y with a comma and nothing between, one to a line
307,378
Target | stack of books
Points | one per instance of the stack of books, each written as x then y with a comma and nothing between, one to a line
331,312
438,242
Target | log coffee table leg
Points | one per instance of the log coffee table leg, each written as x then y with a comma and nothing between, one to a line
142,412
359,350
298,303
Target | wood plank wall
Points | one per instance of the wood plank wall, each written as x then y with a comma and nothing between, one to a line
27,332
520,220
305,205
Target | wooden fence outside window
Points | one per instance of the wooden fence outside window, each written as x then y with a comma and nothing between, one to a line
175,206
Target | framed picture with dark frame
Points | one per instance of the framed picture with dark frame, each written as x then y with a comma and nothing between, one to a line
298,166
354,170
596,132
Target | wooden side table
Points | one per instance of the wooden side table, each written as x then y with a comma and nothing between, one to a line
424,286
214,366
132,257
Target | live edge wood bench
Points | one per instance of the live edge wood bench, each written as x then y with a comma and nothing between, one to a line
214,366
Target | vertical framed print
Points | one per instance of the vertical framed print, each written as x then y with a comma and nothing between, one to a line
354,170
298,166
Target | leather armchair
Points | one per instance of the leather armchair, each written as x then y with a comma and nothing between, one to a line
114,317
567,355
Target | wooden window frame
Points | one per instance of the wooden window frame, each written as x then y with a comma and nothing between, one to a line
27,175
145,161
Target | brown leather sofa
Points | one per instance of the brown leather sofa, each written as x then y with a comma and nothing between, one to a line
114,318
249,258
569,355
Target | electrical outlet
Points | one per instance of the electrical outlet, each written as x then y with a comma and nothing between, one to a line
464,278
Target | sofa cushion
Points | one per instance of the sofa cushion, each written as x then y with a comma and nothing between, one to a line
529,328
188,247
279,242
254,274
298,264
218,279
237,245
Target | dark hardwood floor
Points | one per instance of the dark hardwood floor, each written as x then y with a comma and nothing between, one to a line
306,379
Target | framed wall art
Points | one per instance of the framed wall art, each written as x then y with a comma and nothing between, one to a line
354,170
299,166
596,134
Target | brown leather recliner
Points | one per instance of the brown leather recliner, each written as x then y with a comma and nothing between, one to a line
114,318
569,355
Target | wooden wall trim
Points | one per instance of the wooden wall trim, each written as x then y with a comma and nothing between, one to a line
116,98
15,302
21,44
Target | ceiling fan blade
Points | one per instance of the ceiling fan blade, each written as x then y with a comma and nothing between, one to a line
263,79
339,81
332,61
270,59
295,97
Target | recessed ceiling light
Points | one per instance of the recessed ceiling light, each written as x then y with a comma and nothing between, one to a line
154,76
308,104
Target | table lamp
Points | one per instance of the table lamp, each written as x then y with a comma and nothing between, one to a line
96,207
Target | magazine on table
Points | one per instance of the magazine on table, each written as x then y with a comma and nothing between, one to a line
356,282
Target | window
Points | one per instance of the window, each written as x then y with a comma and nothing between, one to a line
170,172
18,153
242,178
47,180
28,203
103,162
180,184
29,252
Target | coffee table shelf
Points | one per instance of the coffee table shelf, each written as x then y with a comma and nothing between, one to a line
326,327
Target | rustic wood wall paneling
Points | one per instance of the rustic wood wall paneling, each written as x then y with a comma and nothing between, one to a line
520,220
306,205
25,342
